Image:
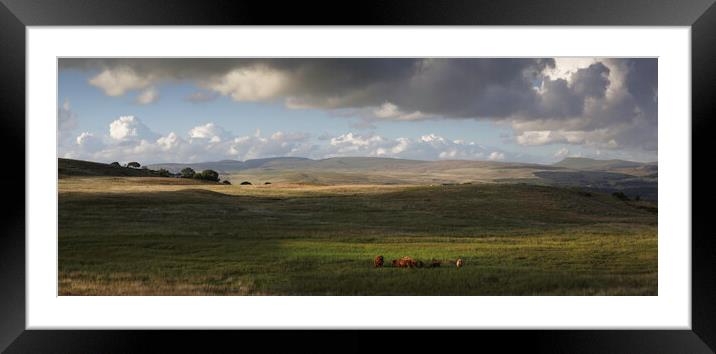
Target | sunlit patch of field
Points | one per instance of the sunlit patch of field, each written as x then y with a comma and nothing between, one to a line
168,236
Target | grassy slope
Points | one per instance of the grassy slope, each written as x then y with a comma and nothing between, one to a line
153,236
69,167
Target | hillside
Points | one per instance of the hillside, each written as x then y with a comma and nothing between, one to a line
583,163
631,178
70,167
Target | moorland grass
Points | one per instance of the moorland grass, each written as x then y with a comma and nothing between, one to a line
152,236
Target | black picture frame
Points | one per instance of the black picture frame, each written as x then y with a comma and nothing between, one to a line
16,15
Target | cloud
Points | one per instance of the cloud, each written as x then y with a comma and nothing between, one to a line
390,111
148,96
129,128
496,156
254,83
169,142
66,118
426,147
277,145
117,81
209,132
609,103
89,142
129,139
561,153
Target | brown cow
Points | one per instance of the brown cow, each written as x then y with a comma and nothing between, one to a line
435,263
405,262
378,261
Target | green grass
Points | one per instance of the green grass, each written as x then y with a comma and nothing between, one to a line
133,237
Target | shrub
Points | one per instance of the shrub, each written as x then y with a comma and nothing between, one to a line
188,172
226,182
134,164
245,183
164,173
115,164
267,183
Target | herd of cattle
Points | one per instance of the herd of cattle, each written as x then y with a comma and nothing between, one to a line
409,262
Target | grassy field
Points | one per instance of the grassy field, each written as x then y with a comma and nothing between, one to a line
166,236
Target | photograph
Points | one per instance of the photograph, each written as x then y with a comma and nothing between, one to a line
357,176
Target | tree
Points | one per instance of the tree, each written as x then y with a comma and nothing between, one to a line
210,175
226,182
164,173
134,164
245,183
115,164
188,172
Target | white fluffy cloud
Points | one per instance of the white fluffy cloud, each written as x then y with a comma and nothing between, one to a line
390,111
169,142
129,139
253,83
561,153
209,132
426,147
89,142
117,81
130,128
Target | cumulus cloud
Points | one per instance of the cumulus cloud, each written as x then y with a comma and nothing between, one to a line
561,153
601,102
129,128
390,111
169,142
148,96
496,156
253,83
129,139
116,81
277,145
209,132
426,147
89,142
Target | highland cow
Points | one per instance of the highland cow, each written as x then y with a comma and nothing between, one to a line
405,262
378,261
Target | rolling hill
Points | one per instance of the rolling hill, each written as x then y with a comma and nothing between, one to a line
632,178
70,167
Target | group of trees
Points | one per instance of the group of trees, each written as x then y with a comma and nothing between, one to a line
207,175
133,164
188,172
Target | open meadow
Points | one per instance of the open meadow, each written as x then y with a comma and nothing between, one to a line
170,236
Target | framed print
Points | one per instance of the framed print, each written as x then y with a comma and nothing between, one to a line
523,176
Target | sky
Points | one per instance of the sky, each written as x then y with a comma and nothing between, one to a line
537,110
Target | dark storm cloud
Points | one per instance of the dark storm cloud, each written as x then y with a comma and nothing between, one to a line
610,103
